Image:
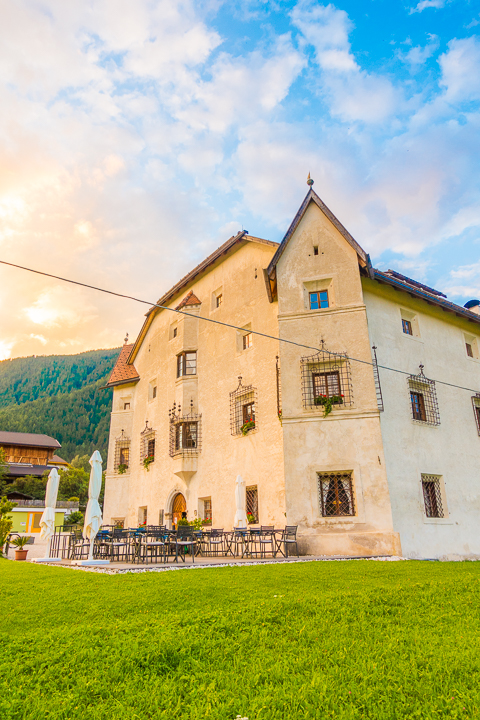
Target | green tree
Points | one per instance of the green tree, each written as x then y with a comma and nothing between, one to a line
6,522
73,483
81,461
30,485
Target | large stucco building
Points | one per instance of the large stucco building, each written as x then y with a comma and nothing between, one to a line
365,460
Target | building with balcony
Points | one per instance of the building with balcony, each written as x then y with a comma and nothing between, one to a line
360,425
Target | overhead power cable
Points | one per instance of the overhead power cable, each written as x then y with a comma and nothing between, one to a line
219,322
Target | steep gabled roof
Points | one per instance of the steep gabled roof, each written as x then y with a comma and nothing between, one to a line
122,372
28,440
312,196
189,299
241,238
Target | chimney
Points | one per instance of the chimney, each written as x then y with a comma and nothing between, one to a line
473,306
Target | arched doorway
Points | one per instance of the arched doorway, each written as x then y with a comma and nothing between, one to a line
179,506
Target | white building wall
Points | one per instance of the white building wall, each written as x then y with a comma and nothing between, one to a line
450,450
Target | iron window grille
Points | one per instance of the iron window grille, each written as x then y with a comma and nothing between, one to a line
186,364
376,377
326,375
279,387
122,452
185,432
147,444
432,496
423,399
243,403
252,502
476,410
207,511
336,494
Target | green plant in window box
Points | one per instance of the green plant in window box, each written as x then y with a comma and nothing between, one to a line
247,427
328,402
148,461
251,519
122,469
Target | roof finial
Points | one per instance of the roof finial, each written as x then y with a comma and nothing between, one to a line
309,180
126,338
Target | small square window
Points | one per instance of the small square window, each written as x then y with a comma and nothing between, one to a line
126,406
247,341
319,300
218,300
407,327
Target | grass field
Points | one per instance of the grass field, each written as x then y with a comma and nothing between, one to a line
345,640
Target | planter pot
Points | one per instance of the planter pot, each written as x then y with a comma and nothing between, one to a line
21,554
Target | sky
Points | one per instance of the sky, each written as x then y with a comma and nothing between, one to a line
136,137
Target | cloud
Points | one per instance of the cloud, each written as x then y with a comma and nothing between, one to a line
461,70
424,4
418,55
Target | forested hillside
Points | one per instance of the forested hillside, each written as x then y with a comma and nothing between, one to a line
59,396
31,378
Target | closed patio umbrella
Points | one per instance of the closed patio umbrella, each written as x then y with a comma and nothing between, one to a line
241,502
93,513
47,521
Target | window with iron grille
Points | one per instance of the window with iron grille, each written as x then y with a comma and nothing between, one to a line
186,364
122,453
336,494
185,432
432,496
423,399
279,387
243,409
147,444
252,503
207,511
326,376
476,410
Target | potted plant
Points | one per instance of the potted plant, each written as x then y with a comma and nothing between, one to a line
122,468
19,543
147,461
247,426
328,402
251,519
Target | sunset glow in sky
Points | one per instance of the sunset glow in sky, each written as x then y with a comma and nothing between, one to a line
136,137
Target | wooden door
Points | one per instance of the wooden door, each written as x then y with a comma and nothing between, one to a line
179,506
33,522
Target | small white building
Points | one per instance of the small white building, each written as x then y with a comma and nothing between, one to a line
365,458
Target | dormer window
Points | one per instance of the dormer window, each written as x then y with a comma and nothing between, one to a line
319,300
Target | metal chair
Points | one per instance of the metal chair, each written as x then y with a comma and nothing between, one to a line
153,546
216,543
185,540
267,537
240,539
289,539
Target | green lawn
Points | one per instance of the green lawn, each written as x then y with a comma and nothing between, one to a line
343,640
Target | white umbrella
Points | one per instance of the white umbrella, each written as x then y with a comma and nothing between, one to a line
93,514
47,521
241,501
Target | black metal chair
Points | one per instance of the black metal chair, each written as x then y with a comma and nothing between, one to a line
185,540
239,541
267,537
153,546
216,543
289,539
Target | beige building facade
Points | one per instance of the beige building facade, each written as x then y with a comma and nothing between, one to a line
261,364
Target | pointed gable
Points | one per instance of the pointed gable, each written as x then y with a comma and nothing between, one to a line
122,372
189,299
311,197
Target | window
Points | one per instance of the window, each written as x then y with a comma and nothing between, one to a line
418,406
186,364
126,406
152,390
161,517
242,409
319,300
326,381
122,454
469,349
410,324
247,341
327,384
185,435
147,446
315,249
407,327
432,496
174,332
218,300
336,494
151,448
471,346
252,503
142,515
423,399
476,410
207,511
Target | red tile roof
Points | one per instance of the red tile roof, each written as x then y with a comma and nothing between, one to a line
189,299
123,373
